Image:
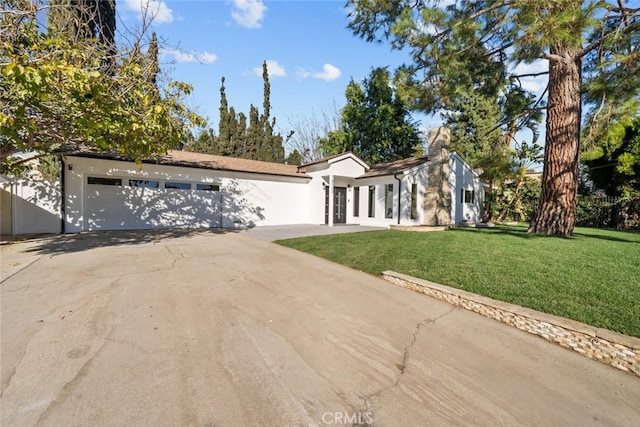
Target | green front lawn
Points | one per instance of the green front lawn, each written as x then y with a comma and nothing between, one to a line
593,277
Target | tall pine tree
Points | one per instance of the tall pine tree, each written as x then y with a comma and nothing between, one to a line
152,59
269,148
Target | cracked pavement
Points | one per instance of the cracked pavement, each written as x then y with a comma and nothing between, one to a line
221,329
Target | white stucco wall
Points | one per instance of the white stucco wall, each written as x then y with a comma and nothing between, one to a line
315,198
6,191
342,172
379,199
348,167
464,178
35,206
244,199
417,175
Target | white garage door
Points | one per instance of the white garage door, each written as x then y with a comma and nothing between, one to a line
133,204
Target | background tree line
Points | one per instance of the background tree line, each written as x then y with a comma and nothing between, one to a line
240,136
69,84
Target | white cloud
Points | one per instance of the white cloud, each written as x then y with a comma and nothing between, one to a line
273,68
535,84
534,67
182,57
303,74
156,9
329,73
208,58
248,13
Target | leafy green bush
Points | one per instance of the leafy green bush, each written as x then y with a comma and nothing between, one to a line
608,212
594,211
629,213
518,204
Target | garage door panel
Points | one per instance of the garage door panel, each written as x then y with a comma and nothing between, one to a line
131,208
143,206
104,207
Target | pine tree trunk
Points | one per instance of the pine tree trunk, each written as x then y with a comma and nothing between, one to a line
557,205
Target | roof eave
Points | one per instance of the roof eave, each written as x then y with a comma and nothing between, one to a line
193,165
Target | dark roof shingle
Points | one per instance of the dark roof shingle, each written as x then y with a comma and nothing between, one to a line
211,161
207,161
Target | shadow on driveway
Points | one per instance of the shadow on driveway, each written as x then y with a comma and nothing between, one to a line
68,243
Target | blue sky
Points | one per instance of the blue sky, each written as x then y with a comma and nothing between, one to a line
310,52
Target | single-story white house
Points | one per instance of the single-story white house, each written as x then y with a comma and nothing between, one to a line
190,190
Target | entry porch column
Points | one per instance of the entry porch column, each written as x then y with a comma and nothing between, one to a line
331,200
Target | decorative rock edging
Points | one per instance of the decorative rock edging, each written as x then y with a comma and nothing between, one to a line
618,350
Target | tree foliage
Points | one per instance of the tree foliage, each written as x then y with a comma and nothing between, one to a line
489,149
475,136
294,158
474,44
255,139
375,123
58,93
614,163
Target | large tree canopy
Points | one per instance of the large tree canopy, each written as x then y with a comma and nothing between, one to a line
375,122
70,88
471,45
614,164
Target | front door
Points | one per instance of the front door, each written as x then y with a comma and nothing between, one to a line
339,205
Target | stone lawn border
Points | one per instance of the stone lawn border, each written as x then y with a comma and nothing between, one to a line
618,350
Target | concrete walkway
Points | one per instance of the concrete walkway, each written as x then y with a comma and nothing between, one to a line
278,232
221,329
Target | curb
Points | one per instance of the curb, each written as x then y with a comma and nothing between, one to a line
615,349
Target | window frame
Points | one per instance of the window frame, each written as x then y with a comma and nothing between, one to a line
467,196
388,201
200,186
178,185
356,202
414,200
107,181
145,181
372,202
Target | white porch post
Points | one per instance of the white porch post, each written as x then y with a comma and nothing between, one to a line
331,200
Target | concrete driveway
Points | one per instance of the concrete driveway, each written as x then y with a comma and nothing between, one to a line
221,329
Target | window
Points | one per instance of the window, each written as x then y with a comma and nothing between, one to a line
143,183
208,187
467,196
177,185
372,201
470,196
93,180
388,201
414,201
356,201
